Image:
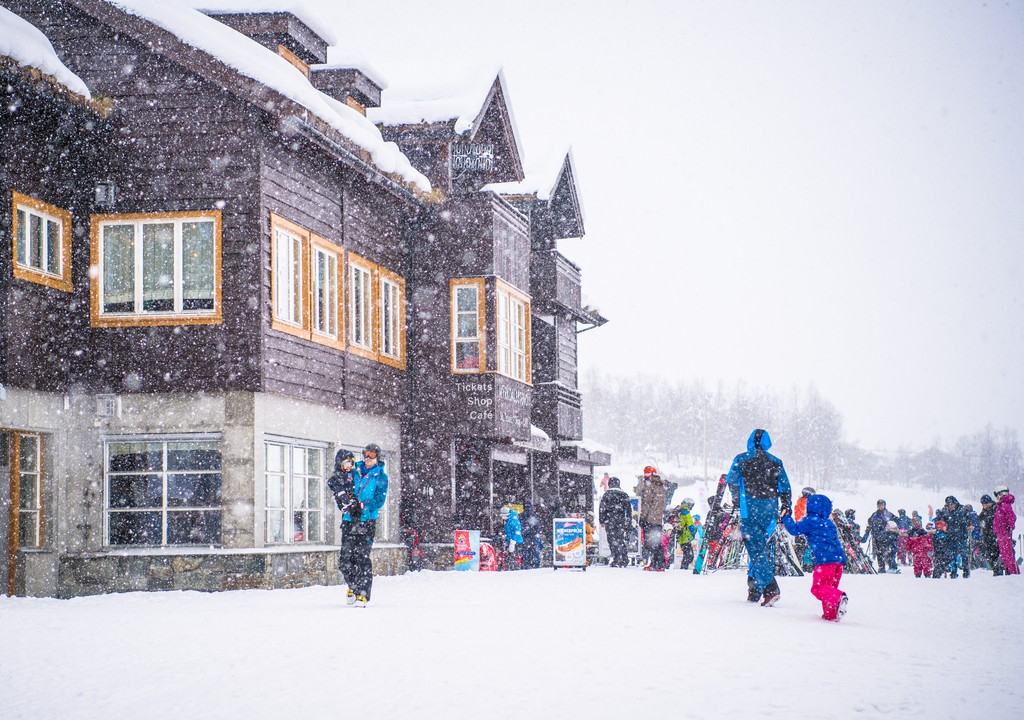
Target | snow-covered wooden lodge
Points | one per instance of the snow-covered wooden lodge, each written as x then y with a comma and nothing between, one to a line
228,259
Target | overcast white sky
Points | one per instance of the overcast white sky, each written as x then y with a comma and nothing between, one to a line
778,193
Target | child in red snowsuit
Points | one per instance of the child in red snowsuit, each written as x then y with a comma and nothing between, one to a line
828,553
920,545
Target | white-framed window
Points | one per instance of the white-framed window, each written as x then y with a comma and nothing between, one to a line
392,318
513,333
360,303
156,268
325,293
162,491
467,325
289,277
294,475
30,490
42,242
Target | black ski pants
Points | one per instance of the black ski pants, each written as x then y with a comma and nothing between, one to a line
354,559
616,535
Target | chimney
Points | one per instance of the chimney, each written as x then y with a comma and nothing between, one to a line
350,85
282,32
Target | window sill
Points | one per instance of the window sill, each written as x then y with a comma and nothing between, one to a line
154,320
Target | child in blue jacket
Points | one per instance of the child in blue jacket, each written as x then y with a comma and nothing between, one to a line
823,539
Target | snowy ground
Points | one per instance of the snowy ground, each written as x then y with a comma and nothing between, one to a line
606,643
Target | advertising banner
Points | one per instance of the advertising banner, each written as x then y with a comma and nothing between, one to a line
467,550
569,545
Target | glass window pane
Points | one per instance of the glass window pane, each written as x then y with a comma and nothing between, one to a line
22,237
194,490
197,265
298,527
466,326
53,255
282,278
467,355
192,527
28,529
298,287
193,456
135,457
275,458
313,533
29,454
314,464
5,455
136,491
313,493
158,267
135,528
275,491
298,493
465,299
28,498
118,268
35,246
275,526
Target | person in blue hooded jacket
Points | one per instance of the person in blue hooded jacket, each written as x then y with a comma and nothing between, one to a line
823,538
759,484
513,537
359,524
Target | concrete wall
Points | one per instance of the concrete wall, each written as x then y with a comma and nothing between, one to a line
73,559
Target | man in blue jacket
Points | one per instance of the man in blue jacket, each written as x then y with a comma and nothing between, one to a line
759,484
359,524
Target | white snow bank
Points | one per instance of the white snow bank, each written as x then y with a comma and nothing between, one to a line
606,643
27,45
298,8
255,61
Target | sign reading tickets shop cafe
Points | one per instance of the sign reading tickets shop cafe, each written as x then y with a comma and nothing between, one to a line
492,406
569,546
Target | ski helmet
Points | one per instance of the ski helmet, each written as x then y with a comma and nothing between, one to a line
880,502
1001,490
850,513
372,447
951,500
688,503
807,491
696,518
650,470
891,525
986,499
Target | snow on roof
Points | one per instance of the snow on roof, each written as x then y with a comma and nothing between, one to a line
255,61
539,181
349,61
458,98
298,8
538,433
25,44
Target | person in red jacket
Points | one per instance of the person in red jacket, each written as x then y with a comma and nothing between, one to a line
920,545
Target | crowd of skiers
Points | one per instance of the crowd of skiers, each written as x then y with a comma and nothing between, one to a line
952,541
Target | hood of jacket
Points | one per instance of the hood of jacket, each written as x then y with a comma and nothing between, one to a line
819,506
759,439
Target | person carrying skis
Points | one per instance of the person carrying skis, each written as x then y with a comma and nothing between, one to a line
616,513
360,490
687,533
758,482
989,541
1003,523
651,490
919,543
828,554
883,542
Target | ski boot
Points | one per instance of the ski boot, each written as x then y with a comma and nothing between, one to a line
771,594
753,594
350,598
841,610
360,601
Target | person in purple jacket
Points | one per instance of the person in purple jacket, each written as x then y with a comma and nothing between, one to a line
823,537
1003,523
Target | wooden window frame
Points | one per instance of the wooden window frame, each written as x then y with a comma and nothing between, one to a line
61,281
386,278
478,284
369,352
309,243
512,294
142,318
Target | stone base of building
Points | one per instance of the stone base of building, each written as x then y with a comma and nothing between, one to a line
210,571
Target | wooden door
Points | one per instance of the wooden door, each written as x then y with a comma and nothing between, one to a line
21,463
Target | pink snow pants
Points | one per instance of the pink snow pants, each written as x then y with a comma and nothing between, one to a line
1006,553
922,564
825,587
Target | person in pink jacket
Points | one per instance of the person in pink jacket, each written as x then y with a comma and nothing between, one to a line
1003,523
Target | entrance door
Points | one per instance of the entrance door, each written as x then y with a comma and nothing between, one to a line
21,472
